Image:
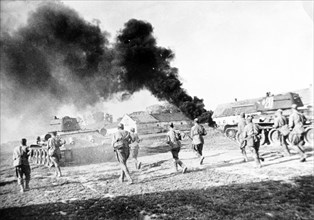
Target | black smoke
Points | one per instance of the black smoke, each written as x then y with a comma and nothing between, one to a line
148,66
60,55
58,58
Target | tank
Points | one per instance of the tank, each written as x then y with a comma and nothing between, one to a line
263,109
82,146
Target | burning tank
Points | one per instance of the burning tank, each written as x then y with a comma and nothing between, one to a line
262,109
82,146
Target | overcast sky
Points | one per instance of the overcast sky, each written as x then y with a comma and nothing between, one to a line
224,49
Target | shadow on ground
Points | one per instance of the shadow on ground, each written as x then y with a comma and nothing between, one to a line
260,200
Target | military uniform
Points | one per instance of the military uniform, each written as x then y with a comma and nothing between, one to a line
120,143
175,145
241,125
54,152
251,134
296,124
281,123
22,167
197,133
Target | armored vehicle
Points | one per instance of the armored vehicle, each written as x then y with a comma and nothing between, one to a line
82,145
226,116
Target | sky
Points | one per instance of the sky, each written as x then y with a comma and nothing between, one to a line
223,49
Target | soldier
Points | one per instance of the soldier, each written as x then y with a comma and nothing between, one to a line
197,133
21,164
173,139
296,125
281,123
54,152
241,125
251,134
120,144
134,141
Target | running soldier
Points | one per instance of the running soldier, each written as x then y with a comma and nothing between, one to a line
134,141
296,125
281,124
21,164
173,139
120,144
54,152
251,134
241,125
197,133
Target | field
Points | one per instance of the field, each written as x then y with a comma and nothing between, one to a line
223,187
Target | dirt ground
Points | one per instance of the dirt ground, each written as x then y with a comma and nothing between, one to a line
223,187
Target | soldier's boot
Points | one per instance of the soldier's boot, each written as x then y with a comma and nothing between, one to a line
184,168
21,185
202,160
26,185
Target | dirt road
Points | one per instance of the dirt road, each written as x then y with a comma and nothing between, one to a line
222,188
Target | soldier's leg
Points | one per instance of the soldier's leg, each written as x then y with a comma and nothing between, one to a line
283,142
125,171
196,150
179,162
297,144
175,157
301,152
122,175
27,172
243,151
19,175
55,162
254,151
123,156
200,151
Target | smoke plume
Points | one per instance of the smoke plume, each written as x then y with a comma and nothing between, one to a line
59,59
148,66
